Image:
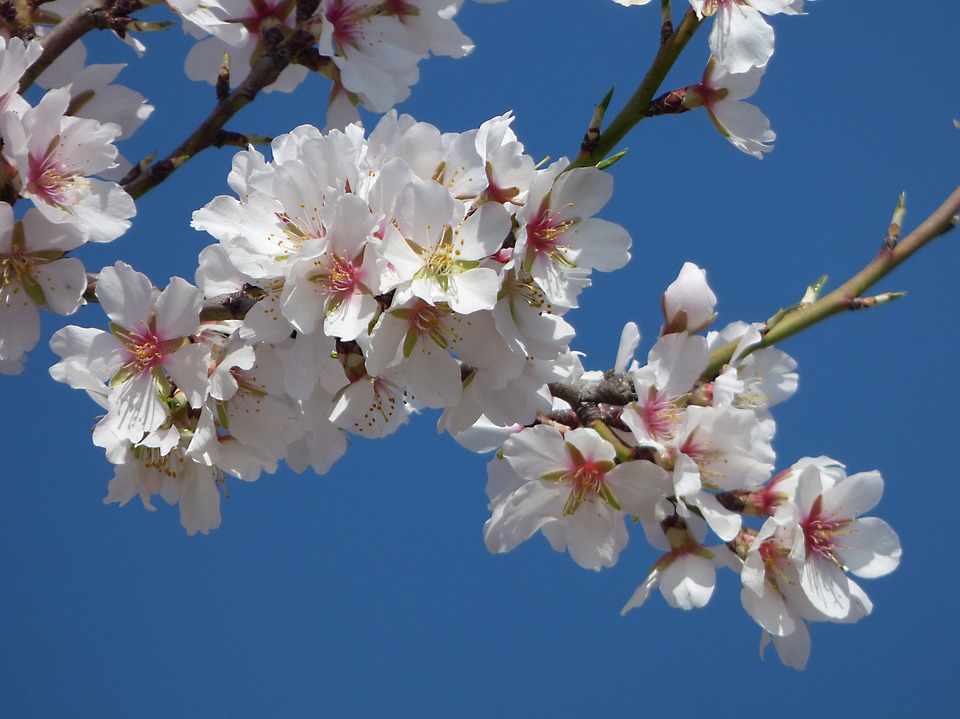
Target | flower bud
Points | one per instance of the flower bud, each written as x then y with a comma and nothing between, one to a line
688,303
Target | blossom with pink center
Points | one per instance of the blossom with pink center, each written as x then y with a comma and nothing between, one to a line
559,241
569,486
836,538
674,364
34,273
337,277
147,355
56,156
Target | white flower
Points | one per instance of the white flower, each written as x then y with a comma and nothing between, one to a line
377,45
146,348
835,537
673,366
34,273
689,305
740,38
337,277
559,241
438,250
56,155
570,484
176,478
743,124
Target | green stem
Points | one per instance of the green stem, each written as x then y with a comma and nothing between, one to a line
847,295
636,108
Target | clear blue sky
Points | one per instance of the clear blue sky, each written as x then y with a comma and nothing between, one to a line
369,592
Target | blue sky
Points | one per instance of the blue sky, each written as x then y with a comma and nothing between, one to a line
368,592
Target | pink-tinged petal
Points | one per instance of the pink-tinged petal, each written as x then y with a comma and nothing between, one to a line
855,495
125,295
188,369
63,283
869,548
825,585
521,514
137,406
536,451
178,309
688,582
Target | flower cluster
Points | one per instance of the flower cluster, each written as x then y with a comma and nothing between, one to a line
408,269
371,49
685,453
59,155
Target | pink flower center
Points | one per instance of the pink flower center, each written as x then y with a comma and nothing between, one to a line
544,230
145,350
819,531
659,415
346,20
263,10
587,479
340,277
48,178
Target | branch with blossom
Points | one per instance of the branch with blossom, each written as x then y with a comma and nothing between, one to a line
359,278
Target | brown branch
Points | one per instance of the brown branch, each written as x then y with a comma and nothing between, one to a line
849,296
110,14
279,54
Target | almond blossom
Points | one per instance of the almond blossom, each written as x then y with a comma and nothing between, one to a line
56,156
740,38
34,273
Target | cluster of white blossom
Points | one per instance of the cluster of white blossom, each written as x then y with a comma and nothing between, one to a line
404,270
741,45
59,155
372,48
686,455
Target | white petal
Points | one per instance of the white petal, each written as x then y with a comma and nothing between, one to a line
688,582
870,548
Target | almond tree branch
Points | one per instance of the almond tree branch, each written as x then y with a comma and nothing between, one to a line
279,54
636,108
849,296
109,14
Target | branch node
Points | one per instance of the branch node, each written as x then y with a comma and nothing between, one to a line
896,222
223,78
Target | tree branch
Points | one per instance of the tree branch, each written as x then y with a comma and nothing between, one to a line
849,295
636,108
110,14
280,53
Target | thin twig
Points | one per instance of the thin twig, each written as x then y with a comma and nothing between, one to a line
636,108
849,295
279,54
